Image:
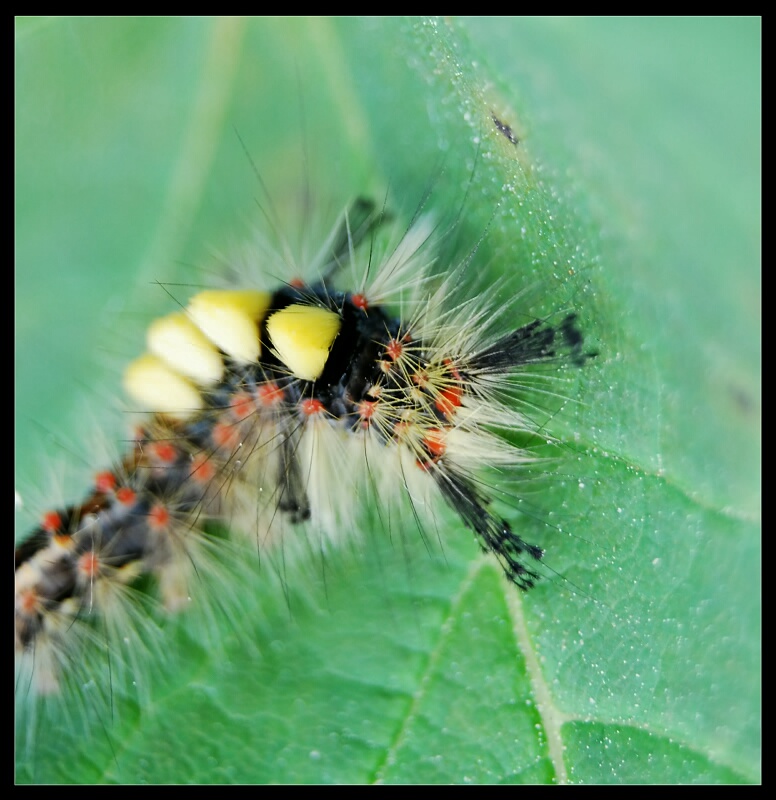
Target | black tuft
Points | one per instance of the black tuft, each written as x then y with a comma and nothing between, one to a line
495,535
531,344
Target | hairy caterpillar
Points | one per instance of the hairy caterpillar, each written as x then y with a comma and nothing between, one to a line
114,661
393,396
658,474
275,412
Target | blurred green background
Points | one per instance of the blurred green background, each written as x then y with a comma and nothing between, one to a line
633,195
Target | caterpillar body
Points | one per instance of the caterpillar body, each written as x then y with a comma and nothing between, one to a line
275,410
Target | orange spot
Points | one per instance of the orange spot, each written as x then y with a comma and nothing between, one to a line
449,399
126,496
158,517
89,564
51,522
420,379
242,406
63,539
359,301
311,407
225,435
297,283
434,442
448,362
164,452
394,350
202,469
366,410
270,394
28,601
435,445
105,482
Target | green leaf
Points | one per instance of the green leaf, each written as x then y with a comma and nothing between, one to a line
632,195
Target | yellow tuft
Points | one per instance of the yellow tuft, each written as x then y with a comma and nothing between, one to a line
230,319
177,341
302,337
150,382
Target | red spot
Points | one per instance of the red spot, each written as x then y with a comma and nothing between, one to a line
420,379
28,601
225,435
202,469
126,496
89,564
164,452
311,406
359,301
448,362
296,283
158,517
51,522
242,406
105,482
394,350
366,410
270,394
449,399
434,442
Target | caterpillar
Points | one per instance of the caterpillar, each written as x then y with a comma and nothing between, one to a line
274,411
393,672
